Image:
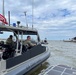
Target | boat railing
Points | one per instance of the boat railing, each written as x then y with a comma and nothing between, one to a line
7,26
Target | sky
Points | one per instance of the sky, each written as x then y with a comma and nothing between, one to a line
54,19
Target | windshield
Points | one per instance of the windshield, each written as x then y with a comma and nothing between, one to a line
5,35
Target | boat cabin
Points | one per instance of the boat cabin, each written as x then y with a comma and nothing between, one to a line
17,31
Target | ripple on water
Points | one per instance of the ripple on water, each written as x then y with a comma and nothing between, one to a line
62,53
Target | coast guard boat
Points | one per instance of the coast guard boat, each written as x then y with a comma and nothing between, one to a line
20,60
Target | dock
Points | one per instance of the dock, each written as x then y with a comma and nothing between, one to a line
59,70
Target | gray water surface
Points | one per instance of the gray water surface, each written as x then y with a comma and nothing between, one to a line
62,53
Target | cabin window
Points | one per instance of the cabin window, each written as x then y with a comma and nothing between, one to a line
33,37
5,35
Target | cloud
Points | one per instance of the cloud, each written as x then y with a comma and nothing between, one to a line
54,17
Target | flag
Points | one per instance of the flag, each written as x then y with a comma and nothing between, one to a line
3,19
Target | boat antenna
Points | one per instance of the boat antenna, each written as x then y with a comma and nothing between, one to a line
26,18
32,12
3,8
9,17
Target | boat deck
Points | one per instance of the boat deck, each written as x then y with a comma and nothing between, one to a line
60,70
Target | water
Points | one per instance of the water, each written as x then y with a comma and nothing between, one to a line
62,53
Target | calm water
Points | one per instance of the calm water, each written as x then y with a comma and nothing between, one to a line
63,53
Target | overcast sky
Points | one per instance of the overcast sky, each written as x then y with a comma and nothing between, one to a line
54,19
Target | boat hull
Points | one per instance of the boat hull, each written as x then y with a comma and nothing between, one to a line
27,61
29,64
